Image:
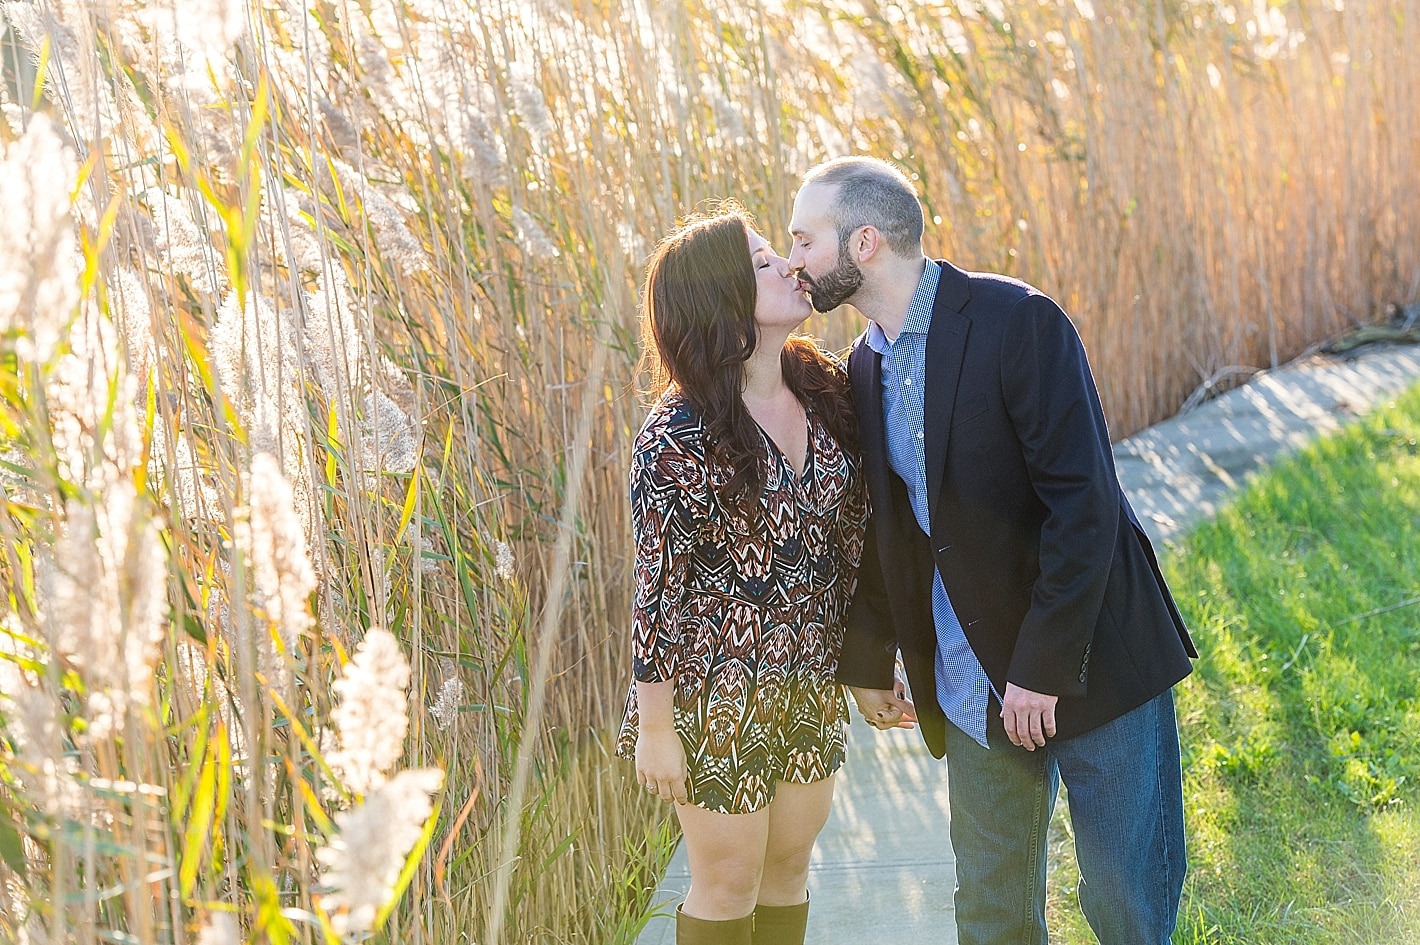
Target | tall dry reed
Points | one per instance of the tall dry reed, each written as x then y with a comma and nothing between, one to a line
318,334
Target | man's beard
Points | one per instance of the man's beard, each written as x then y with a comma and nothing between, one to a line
836,286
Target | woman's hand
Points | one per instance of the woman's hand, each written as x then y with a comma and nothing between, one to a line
885,708
660,757
660,764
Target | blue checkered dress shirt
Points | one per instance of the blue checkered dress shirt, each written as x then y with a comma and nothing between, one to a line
962,687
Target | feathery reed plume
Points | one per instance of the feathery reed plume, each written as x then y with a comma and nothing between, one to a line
300,56
270,535
39,261
131,310
372,716
19,917
182,247
104,597
299,48
196,35
71,78
504,565
14,117
531,108
336,349
221,928
396,241
532,237
341,133
184,483
104,578
254,351
82,387
486,157
361,864
423,548
377,41
445,707
32,725
289,214
334,339
388,440
381,583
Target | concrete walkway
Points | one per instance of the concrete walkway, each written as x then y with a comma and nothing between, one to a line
883,868
1181,470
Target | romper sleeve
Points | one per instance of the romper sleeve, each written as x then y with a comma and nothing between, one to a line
670,502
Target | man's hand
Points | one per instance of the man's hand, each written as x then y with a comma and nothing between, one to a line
1029,716
885,708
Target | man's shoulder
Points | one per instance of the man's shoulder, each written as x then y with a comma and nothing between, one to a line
859,348
993,296
998,287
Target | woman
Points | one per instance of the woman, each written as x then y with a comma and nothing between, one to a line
748,511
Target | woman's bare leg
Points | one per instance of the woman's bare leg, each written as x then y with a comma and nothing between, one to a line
726,853
796,815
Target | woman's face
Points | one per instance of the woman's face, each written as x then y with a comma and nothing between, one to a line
780,299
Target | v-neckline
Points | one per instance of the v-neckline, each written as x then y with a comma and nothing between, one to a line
784,457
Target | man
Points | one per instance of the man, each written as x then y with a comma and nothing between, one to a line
1006,566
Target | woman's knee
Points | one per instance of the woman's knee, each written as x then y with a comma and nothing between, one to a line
733,880
786,872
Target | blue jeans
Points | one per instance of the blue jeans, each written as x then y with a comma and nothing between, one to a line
1126,808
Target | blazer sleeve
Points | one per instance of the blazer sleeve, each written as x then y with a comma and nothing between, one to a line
1054,407
869,636
670,501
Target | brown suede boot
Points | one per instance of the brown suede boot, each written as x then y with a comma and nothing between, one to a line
780,925
692,931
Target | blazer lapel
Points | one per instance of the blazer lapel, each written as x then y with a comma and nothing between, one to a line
865,371
946,345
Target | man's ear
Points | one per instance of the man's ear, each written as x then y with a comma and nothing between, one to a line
865,243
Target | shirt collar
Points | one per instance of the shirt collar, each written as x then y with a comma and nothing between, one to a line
919,310
877,340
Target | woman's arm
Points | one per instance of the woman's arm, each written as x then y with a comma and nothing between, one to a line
660,756
670,501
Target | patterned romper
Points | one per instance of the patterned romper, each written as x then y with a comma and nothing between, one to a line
747,618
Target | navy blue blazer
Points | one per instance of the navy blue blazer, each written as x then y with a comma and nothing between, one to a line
1055,582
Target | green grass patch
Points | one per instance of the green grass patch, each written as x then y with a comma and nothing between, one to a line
1301,723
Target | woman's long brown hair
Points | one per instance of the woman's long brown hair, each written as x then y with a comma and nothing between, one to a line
697,332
